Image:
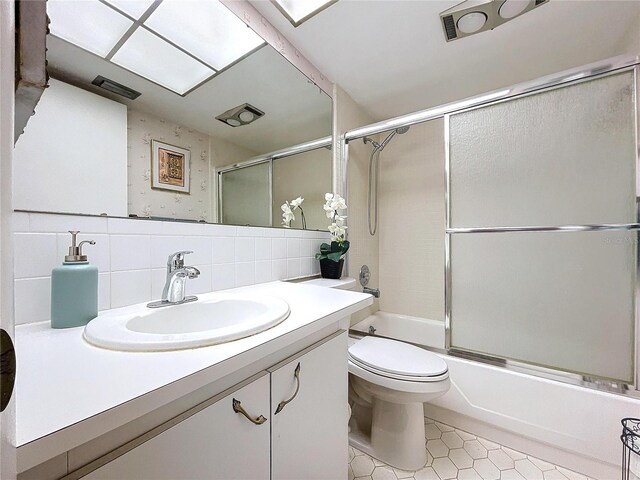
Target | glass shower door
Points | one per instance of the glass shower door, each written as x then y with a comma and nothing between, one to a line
541,228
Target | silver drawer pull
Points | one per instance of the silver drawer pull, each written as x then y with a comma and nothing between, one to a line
237,407
283,403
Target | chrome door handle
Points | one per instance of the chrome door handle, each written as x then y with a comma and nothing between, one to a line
237,407
283,403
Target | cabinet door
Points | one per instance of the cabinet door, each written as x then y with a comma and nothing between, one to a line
309,434
215,443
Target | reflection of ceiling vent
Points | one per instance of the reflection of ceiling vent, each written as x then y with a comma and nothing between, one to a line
115,87
474,16
241,115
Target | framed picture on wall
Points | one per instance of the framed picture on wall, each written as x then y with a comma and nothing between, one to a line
169,167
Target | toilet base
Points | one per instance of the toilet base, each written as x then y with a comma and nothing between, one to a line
397,435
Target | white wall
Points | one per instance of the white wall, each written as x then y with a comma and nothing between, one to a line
72,155
411,223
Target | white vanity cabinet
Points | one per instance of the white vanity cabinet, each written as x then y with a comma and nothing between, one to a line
306,439
215,443
309,436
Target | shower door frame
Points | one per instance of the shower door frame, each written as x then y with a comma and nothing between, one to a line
591,381
564,78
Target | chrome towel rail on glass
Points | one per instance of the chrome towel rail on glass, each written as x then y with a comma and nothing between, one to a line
237,407
283,403
547,228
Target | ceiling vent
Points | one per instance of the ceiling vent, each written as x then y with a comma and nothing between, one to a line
475,16
115,87
241,115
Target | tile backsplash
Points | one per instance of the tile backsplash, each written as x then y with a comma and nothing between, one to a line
131,256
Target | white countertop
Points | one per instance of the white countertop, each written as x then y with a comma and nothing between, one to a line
64,382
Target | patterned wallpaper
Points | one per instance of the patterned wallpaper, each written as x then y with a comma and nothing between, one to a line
145,202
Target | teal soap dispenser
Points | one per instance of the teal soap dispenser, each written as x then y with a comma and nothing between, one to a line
74,288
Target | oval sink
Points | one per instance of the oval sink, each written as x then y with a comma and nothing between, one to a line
218,318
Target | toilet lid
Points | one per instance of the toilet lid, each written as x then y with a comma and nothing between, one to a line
397,358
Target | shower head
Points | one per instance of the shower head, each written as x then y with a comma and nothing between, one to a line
380,146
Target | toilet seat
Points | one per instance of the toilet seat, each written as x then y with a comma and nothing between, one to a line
397,360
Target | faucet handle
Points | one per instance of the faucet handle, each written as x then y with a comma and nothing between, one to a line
176,260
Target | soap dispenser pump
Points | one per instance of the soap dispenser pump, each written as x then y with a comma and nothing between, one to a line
74,288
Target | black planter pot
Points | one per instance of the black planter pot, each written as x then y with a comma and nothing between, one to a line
331,269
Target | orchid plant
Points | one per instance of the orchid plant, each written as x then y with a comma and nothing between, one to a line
339,244
287,212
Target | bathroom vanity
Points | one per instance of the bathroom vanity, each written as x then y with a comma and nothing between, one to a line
271,405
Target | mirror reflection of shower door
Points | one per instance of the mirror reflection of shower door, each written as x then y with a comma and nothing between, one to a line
245,196
526,178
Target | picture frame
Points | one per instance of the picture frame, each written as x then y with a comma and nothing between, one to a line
170,167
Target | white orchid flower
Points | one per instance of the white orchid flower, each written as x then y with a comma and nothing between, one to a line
297,202
339,221
285,207
328,197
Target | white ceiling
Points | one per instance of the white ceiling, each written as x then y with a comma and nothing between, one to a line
392,58
296,111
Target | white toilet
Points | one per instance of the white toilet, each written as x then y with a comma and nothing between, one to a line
389,381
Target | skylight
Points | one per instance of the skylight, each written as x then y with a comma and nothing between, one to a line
177,44
298,12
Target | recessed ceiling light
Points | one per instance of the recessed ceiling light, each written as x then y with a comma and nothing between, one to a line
214,34
135,8
247,116
151,57
298,11
472,22
233,122
513,8
89,25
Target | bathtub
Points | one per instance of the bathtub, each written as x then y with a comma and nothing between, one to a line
572,426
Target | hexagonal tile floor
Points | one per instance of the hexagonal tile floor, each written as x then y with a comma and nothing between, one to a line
455,454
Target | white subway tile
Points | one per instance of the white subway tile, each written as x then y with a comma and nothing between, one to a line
263,271
245,249
293,233
129,287
223,250
306,266
35,254
183,228
223,276
315,266
217,230
32,300
158,279
275,232
134,226
98,254
293,267
104,291
130,252
263,249
278,248
245,273
278,269
46,222
249,231
20,222
293,248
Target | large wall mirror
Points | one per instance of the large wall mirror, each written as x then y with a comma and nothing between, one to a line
197,142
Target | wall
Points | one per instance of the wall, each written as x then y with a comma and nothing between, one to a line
411,222
364,247
206,153
307,175
131,256
73,147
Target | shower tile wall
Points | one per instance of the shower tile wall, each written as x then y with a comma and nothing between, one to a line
411,226
456,454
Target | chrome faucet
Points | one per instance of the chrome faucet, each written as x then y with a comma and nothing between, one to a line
174,287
